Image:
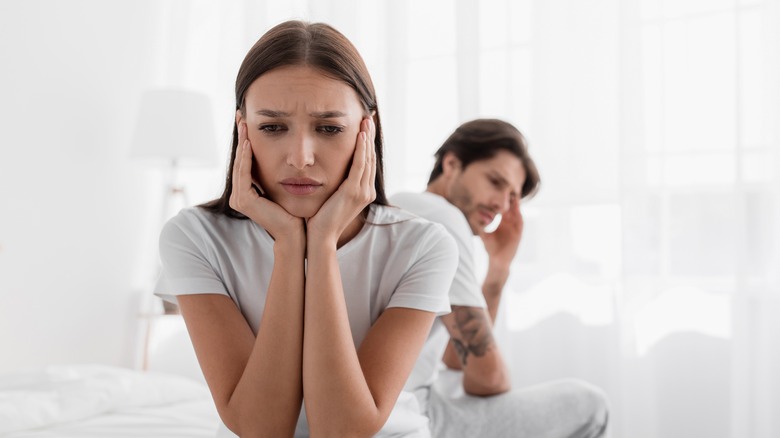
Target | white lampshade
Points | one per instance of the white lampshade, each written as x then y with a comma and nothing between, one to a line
175,126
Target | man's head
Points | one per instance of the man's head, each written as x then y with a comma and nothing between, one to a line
482,168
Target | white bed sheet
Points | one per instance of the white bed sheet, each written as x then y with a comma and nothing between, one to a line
101,401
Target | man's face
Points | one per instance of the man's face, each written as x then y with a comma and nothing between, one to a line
484,188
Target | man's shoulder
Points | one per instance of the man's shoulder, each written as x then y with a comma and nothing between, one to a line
404,224
420,201
434,208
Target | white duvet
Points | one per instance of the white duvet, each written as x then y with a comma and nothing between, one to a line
95,400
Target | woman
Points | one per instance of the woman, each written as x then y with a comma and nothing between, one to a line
299,286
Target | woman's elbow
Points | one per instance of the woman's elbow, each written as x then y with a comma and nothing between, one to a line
241,425
248,426
229,419
249,423
350,431
359,426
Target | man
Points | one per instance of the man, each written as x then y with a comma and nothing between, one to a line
482,170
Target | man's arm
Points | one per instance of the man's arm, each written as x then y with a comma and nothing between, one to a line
472,347
492,288
501,246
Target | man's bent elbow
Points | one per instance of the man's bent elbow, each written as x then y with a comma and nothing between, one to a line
487,384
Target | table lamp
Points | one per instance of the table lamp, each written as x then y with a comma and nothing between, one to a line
174,128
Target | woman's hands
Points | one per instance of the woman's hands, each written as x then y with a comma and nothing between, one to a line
333,218
354,193
245,199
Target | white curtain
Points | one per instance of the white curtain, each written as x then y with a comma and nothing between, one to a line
649,263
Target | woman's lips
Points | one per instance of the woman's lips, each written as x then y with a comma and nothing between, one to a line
300,186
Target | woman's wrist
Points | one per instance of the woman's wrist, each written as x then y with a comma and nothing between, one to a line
315,242
291,243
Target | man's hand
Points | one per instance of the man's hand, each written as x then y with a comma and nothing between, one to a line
501,245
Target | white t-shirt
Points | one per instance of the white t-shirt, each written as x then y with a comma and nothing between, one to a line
465,290
396,260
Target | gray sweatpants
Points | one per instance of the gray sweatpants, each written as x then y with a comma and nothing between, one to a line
557,409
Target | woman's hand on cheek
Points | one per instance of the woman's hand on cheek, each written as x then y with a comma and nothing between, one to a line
245,199
354,193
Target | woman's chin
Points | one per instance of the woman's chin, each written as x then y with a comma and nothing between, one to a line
300,209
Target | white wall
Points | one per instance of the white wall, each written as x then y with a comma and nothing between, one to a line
73,207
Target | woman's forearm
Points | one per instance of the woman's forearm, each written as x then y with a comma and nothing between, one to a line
338,399
267,398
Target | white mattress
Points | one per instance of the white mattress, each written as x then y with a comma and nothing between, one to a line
102,401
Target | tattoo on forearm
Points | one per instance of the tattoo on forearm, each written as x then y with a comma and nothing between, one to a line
475,330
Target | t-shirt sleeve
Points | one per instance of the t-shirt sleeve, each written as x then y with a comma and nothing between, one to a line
426,284
186,269
466,290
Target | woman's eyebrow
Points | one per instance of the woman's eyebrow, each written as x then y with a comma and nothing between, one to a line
271,113
318,114
327,114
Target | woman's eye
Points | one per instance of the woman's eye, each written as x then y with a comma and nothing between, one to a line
271,129
330,129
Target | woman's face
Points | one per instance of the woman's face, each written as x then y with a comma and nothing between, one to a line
303,126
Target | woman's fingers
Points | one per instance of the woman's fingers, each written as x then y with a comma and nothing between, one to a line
367,160
239,152
367,178
242,173
237,159
247,180
244,139
359,159
242,134
372,162
234,179
369,174
238,186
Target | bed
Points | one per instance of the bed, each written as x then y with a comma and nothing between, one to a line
103,401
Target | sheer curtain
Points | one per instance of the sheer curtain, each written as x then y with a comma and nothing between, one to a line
649,263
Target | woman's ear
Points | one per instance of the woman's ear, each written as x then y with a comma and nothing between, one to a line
239,118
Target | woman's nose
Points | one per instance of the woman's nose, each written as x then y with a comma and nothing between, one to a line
301,152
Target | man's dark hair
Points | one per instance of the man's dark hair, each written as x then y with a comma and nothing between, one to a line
481,139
